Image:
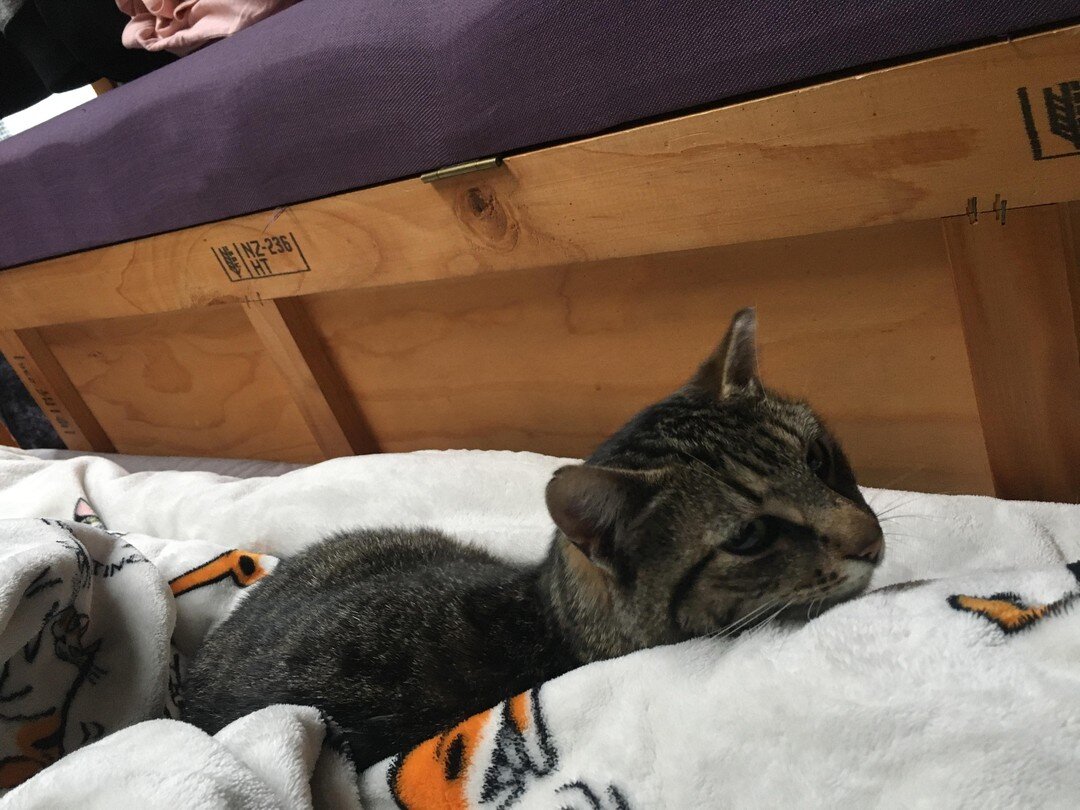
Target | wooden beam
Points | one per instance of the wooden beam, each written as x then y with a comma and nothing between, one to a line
1070,234
6,439
1016,286
53,391
905,143
325,403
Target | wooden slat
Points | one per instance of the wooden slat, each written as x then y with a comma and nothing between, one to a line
326,405
1019,314
863,324
196,383
906,143
1070,234
53,391
6,439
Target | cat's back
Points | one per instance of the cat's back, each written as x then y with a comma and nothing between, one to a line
340,604
374,556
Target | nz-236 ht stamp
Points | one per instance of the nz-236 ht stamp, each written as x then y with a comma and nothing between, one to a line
267,256
1052,119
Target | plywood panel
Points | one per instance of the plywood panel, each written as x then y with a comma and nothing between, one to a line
194,383
1019,315
863,323
902,144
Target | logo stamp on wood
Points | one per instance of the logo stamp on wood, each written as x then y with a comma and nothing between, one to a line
261,258
1052,119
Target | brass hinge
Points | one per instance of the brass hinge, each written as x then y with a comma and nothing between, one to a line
461,168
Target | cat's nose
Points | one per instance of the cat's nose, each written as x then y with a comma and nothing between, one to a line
872,551
855,532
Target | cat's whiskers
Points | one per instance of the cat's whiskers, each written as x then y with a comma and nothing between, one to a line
728,628
896,505
912,516
760,627
890,513
738,624
733,626
900,538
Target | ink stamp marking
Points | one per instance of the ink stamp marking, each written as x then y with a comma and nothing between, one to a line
1052,119
261,258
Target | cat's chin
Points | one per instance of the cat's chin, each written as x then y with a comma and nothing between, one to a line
856,578
857,575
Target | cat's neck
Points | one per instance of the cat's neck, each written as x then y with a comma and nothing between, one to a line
580,600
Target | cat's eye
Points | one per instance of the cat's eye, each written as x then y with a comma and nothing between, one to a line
754,537
819,460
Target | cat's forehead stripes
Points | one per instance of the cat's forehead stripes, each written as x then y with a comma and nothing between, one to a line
740,449
759,435
748,487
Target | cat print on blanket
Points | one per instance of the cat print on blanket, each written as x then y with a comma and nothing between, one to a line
244,568
84,513
42,730
1009,611
710,512
501,753
41,736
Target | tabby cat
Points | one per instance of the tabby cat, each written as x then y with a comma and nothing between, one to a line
705,514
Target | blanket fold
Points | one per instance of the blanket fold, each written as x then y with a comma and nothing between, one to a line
274,758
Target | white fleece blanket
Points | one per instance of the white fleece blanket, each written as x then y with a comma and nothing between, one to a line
962,690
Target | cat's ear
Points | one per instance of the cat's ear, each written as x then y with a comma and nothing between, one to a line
731,370
587,504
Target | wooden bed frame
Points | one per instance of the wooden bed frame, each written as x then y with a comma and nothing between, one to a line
909,237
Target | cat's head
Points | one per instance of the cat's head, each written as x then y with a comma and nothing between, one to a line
714,508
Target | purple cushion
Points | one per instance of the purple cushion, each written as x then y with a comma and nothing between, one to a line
331,95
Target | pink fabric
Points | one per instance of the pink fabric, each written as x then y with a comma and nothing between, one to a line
181,26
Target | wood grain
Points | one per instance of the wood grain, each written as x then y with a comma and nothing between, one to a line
33,360
905,143
1019,316
328,409
864,324
192,383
